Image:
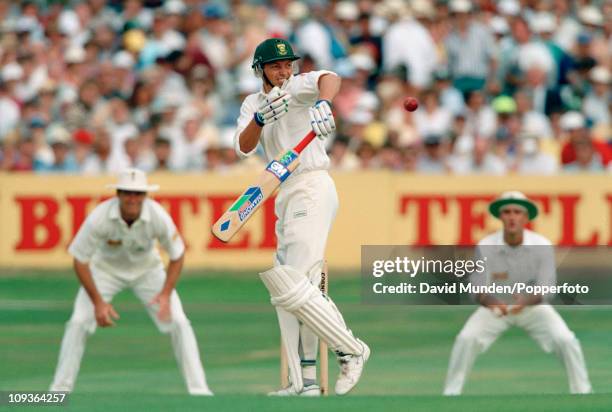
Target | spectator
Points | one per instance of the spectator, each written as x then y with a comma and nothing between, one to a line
390,157
63,158
532,161
587,158
407,43
532,122
341,157
470,48
99,161
23,160
8,107
451,98
597,101
475,158
431,118
367,156
163,153
574,125
138,70
481,119
433,158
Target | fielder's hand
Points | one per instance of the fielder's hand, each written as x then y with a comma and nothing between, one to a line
105,313
275,106
322,119
499,309
163,300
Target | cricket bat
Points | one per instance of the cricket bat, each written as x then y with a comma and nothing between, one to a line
276,172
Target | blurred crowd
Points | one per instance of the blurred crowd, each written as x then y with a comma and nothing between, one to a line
507,86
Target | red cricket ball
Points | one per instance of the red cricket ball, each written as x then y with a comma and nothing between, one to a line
411,104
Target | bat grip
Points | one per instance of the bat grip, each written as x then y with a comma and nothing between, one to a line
304,142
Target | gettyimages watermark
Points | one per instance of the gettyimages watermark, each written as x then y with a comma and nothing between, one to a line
450,275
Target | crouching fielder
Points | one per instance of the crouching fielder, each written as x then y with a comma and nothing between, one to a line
516,255
114,250
285,110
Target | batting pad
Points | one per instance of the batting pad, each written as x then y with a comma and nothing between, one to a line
292,291
290,334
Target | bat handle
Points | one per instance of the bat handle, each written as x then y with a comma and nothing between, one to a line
304,142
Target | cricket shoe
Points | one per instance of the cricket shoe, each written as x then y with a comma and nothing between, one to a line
309,390
351,367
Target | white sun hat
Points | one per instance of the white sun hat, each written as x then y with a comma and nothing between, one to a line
133,180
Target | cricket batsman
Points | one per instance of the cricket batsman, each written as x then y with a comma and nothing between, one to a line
515,255
115,249
289,106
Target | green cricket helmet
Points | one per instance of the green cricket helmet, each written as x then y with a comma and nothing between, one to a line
272,50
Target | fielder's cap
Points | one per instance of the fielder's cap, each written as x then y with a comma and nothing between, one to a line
572,120
513,198
133,180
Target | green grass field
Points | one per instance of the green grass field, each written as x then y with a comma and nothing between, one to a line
131,367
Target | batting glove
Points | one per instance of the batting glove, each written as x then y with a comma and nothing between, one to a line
274,106
322,119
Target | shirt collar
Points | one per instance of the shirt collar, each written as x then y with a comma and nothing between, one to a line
145,214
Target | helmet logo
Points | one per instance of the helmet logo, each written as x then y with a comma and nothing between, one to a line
282,48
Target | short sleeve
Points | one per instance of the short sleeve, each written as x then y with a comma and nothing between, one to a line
305,86
86,241
547,275
168,235
479,278
247,110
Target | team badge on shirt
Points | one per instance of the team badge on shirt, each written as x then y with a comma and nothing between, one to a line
112,242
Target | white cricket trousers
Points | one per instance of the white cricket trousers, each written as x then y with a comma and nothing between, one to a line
306,207
541,322
83,323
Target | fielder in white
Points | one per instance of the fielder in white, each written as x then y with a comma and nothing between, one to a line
515,254
285,110
114,250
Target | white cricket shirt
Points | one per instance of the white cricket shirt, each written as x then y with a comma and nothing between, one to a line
286,132
106,241
532,262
